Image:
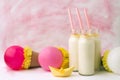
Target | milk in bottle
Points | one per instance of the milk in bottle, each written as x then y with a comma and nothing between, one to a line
73,51
95,36
86,55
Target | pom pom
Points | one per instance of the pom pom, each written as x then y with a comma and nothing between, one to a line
104,61
113,60
27,58
65,63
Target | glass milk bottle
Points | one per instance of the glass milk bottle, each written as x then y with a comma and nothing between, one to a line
86,53
73,50
97,52
95,35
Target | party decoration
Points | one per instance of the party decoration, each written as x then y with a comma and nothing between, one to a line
18,58
111,60
52,56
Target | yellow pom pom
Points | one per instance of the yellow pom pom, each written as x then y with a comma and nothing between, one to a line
27,58
104,61
65,54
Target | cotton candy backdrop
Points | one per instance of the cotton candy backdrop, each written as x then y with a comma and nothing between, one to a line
40,23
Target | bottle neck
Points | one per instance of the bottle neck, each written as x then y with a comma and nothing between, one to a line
75,35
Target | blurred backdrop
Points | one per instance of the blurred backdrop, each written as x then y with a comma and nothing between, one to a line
40,23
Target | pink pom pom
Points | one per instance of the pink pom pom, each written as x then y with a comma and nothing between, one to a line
50,56
14,57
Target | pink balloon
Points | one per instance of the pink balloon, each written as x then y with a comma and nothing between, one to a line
14,57
50,56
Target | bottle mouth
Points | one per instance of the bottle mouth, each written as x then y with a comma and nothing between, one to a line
75,34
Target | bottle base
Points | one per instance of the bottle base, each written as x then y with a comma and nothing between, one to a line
75,70
86,74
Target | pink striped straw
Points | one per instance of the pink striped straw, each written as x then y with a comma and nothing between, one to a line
80,21
71,22
87,19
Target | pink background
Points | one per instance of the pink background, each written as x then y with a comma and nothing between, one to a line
40,23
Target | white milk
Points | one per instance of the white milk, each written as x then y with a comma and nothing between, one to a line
97,52
95,36
73,51
86,55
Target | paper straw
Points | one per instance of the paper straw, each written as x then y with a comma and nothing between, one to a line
87,19
71,22
80,21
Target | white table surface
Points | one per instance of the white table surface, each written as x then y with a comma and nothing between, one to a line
40,74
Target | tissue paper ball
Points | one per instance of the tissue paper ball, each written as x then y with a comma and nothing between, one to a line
14,57
113,60
50,56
